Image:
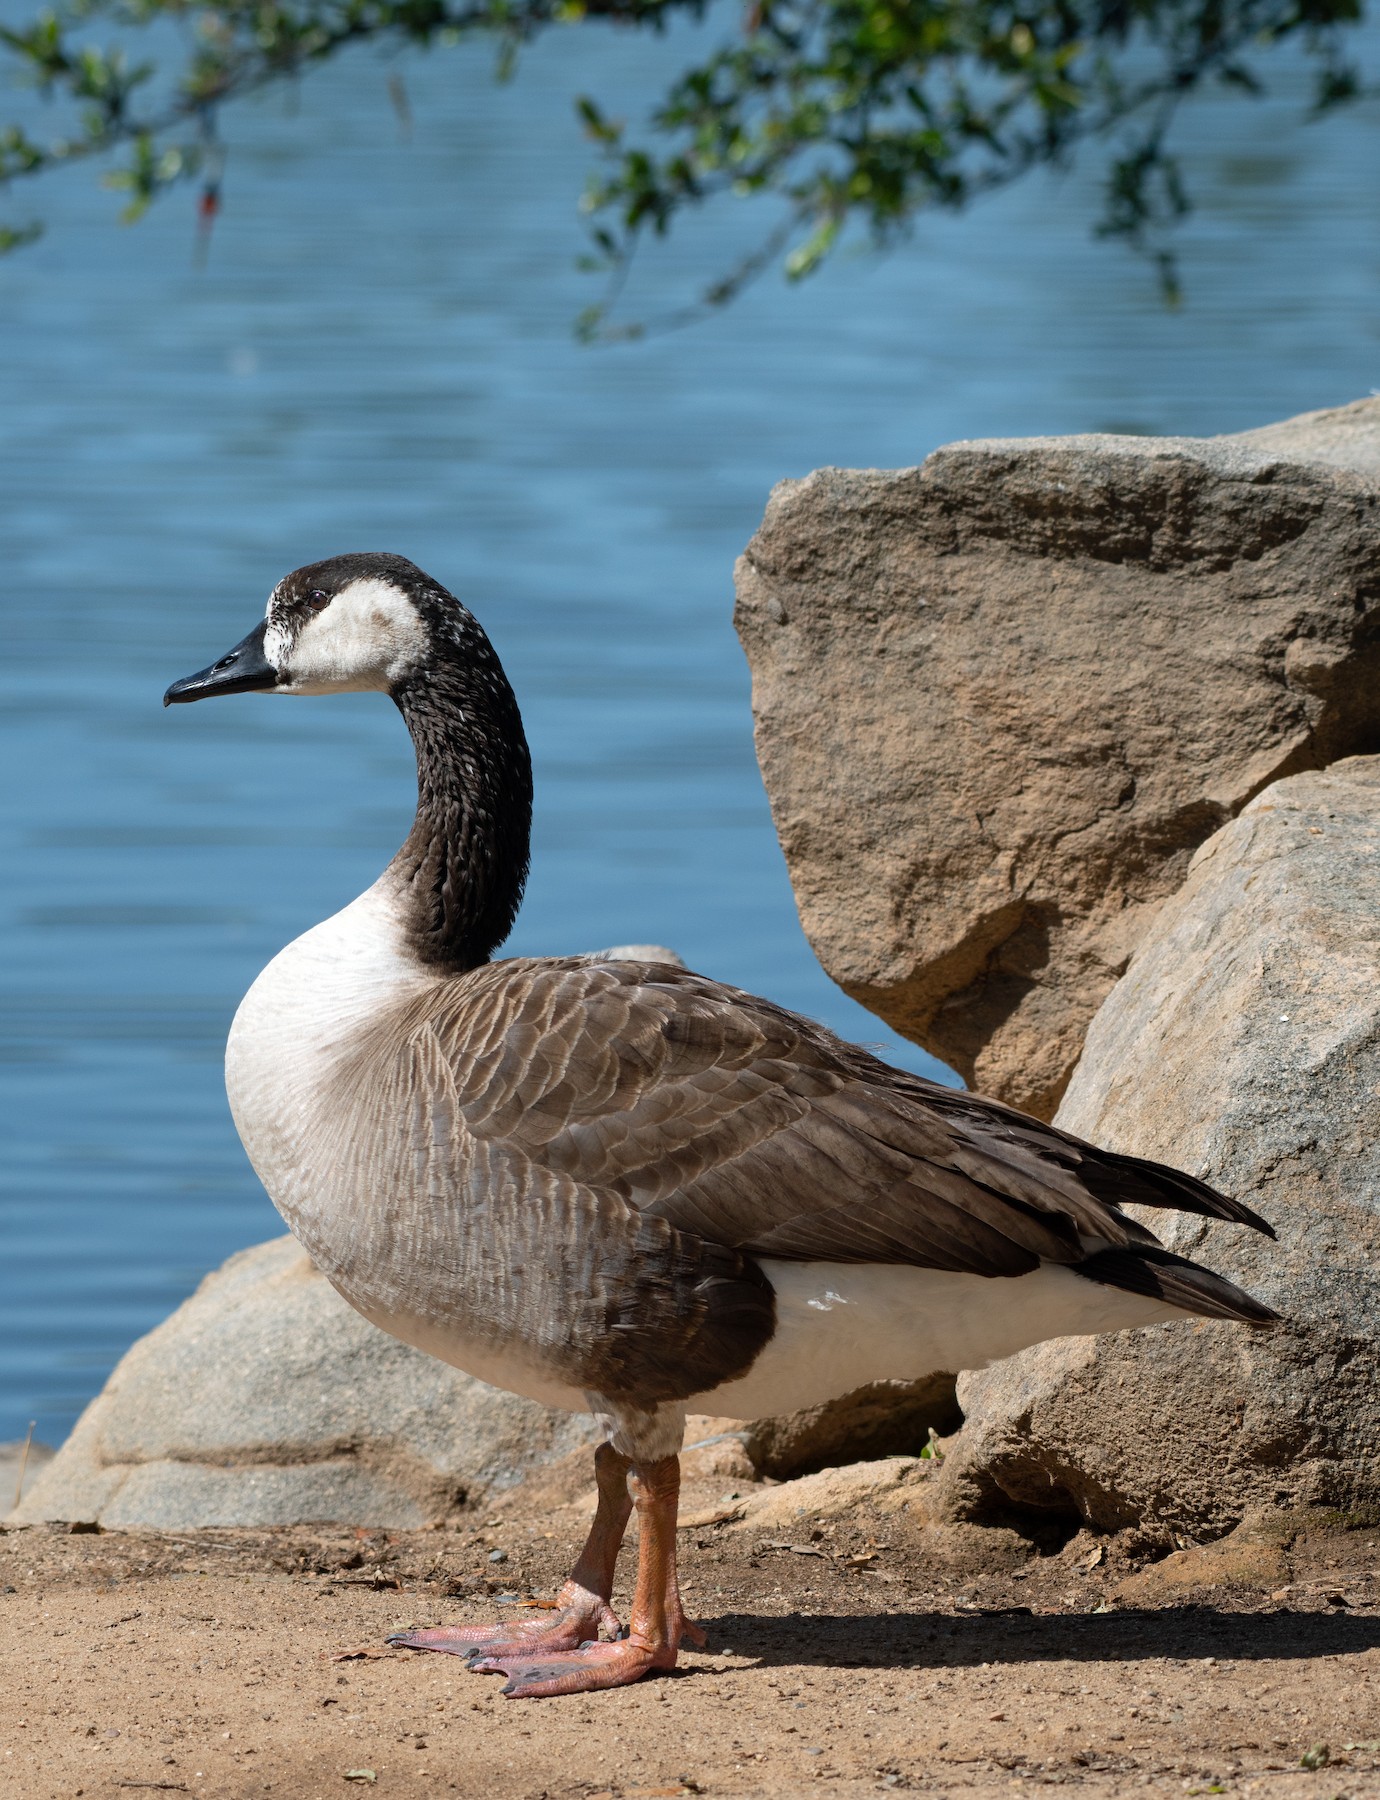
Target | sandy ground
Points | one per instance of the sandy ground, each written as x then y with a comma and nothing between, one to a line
856,1653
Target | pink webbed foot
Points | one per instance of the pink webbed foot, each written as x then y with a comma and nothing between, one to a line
563,1655
576,1671
577,1622
533,1676
658,1619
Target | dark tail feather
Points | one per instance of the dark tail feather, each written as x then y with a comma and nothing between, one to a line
1134,1181
1161,1275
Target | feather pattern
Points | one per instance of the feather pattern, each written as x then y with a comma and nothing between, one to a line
730,1117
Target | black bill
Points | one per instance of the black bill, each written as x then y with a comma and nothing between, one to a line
243,670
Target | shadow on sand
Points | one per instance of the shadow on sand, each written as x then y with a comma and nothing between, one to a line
943,1640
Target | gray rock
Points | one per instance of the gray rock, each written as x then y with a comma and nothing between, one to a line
1342,437
1002,698
19,1463
265,1400
1243,1043
889,1418
643,953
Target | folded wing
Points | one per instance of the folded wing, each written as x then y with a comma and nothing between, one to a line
753,1128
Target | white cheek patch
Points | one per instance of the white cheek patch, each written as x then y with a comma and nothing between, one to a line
276,645
367,638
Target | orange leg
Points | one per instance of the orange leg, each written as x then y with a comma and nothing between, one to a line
658,1621
582,1606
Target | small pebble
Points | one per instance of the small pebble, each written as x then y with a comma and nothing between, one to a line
498,1556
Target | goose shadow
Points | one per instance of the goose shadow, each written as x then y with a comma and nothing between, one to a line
919,1640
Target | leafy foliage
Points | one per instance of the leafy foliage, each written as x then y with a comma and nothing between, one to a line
854,114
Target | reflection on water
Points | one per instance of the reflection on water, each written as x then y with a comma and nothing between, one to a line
379,357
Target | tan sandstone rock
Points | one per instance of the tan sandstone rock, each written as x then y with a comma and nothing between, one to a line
1243,1043
1243,1560
811,1499
19,1467
1002,698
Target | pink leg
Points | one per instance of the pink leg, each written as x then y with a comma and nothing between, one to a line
658,1621
582,1606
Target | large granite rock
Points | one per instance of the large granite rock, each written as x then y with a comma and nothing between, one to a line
20,1463
1244,1044
1002,698
266,1400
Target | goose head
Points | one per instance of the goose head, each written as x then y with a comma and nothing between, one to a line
375,622
350,624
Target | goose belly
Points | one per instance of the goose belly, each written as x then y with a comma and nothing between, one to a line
501,1365
468,1277
841,1326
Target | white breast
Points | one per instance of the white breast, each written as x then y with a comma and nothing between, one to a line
295,1028
840,1326
296,1025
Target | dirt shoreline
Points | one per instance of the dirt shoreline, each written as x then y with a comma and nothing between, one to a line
858,1654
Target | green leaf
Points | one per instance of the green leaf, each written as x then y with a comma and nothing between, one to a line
856,116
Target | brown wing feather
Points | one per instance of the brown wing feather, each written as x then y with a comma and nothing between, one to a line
753,1128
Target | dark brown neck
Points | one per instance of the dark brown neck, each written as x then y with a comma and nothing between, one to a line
462,869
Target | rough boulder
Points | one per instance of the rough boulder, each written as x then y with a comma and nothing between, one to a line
1243,1044
1002,698
265,1400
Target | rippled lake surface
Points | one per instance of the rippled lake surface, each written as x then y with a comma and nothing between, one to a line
379,355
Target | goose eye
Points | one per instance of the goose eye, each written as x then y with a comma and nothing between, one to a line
317,601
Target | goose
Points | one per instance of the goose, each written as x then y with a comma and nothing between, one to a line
613,1184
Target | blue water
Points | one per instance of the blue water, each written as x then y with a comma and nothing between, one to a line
379,356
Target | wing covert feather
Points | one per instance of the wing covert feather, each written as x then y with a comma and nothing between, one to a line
754,1129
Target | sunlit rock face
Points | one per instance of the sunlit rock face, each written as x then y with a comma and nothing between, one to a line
265,1400
1243,1043
1002,698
